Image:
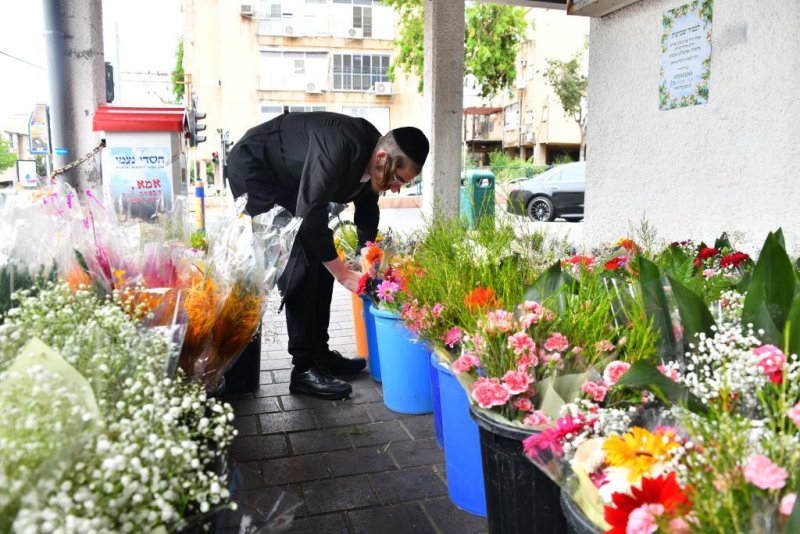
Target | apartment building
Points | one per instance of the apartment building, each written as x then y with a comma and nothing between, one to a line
529,121
247,63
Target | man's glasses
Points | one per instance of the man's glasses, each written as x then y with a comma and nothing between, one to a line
397,181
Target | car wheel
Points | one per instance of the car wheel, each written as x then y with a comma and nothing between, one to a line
540,209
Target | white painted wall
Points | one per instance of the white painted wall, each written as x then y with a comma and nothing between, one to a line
731,165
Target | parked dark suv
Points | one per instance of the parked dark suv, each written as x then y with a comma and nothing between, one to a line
557,192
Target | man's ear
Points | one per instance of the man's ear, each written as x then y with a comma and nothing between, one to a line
380,156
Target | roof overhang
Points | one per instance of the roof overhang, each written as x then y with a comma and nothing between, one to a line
138,119
481,111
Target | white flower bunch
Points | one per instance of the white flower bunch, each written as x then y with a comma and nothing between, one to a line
723,367
150,461
609,421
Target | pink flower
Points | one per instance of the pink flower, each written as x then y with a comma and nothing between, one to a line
762,473
679,526
452,337
595,391
642,520
556,342
550,439
794,414
516,382
614,372
669,372
604,346
521,343
708,273
787,503
523,405
527,360
465,363
536,418
437,310
387,289
772,361
499,320
488,392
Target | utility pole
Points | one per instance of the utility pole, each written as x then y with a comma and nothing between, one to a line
76,72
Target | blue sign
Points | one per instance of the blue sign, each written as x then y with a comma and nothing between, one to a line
61,152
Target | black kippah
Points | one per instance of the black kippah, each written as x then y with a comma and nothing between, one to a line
413,143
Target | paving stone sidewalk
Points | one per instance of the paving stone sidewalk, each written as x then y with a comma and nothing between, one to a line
354,465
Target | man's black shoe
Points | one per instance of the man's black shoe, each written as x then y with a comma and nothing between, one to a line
339,365
319,383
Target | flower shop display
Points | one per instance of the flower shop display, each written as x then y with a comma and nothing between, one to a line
703,440
436,398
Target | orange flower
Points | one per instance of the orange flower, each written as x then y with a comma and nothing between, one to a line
373,255
77,277
480,298
202,301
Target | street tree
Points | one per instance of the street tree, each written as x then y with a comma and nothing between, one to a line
177,74
569,83
492,35
7,157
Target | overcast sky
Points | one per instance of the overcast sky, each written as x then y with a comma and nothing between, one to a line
148,35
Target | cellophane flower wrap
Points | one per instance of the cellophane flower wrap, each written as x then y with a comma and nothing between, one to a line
248,258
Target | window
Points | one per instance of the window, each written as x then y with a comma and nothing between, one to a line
378,116
511,116
284,70
573,173
362,18
359,72
270,111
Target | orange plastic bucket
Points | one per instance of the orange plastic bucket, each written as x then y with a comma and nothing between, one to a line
358,325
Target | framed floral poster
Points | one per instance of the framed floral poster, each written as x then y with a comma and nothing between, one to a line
685,55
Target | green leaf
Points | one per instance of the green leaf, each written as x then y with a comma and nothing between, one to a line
722,242
656,307
771,289
695,315
645,375
551,284
792,330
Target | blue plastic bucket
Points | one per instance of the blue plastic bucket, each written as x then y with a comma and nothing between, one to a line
462,451
405,365
437,403
372,343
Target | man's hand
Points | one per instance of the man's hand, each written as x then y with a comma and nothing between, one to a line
342,274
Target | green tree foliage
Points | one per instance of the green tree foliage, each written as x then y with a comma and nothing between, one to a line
492,36
7,157
177,73
569,84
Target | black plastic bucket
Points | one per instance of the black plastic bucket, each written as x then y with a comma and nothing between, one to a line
519,497
577,522
244,375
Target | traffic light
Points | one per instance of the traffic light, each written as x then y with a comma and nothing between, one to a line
192,117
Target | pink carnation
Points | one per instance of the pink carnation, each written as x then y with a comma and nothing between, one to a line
465,363
452,337
488,392
642,520
437,310
556,342
516,382
762,473
537,418
614,372
772,361
595,391
523,405
794,414
669,372
787,503
521,343
604,346
499,320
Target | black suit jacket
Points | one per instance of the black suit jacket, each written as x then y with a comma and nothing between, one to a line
303,161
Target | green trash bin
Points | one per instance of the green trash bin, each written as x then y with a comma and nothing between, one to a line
477,195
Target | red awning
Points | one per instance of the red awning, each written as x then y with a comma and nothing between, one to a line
136,119
481,111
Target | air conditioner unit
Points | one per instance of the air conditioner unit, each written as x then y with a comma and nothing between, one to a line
289,31
314,88
355,33
383,88
246,10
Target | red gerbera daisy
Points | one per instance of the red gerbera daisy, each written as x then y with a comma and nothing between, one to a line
662,490
480,298
362,284
704,254
615,263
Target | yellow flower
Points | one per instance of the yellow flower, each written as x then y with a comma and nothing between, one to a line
639,451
